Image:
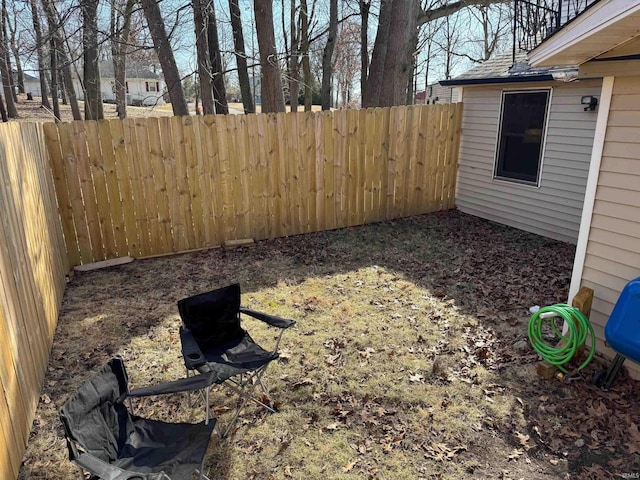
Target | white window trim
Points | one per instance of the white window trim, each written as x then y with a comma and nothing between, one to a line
513,181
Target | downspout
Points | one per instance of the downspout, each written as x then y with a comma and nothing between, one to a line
592,184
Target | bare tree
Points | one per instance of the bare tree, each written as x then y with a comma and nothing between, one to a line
241,57
495,22
449,41
93,109
294,58
166,57
35,18
328,55
373,90
365,8
13,42
304,51
59,49
54,79
3,110
390,71
272,97
202,55
7,50
346,60
5,74
121,13
215,57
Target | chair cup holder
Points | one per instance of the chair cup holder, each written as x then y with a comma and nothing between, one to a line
194,356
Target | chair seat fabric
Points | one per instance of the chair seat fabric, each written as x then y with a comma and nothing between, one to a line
104,438
155,446
242,353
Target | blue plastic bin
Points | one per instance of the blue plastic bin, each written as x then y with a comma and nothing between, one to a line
623,328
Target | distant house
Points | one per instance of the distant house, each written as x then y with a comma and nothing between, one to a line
436,93
32,85
144,84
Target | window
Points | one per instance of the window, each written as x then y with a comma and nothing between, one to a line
151,86
522,128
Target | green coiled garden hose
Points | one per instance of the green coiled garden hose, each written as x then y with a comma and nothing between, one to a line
579,328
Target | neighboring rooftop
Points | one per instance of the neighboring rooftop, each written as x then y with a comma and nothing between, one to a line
502,69
133,70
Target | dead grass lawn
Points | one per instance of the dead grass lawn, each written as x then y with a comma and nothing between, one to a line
402,363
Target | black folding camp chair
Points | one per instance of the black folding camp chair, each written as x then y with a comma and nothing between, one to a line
111,443
215,344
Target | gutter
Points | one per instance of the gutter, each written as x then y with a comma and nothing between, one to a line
495,80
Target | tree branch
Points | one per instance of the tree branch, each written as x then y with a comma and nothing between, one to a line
451,8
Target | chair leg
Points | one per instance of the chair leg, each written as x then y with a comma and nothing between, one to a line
241,403
208,406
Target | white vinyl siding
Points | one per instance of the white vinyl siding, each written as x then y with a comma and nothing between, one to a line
554,208
613,249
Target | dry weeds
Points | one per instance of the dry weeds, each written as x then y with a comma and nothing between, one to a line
402,363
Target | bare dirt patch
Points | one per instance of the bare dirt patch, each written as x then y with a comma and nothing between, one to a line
402,364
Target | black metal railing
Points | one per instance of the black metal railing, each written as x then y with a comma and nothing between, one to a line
535,20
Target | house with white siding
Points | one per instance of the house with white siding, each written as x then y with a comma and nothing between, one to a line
144,84
604,41
526,144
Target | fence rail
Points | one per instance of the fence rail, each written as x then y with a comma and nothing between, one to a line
150,186
33,264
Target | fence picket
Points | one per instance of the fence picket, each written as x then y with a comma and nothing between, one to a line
32,272
175,184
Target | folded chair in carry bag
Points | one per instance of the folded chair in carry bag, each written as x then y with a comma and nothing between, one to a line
215,344
111,443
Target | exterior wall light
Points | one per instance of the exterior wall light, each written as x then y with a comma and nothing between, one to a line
589,102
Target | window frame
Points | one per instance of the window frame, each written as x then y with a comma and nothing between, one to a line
543,139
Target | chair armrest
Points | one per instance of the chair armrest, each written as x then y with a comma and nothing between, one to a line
189,384
193,356
108,471
272,320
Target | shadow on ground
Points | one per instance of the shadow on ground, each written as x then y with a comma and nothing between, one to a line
450,267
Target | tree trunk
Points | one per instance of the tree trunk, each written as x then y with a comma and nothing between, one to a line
202,54
378,56
119,39
364,47
272,96
5,74
7,50
91,69
327,55
401,44
165,54
241,57
13,46
60,49
304,51
294,72
3,110
54,80
219,88
44,99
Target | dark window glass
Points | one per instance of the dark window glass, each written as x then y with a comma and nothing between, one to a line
521,134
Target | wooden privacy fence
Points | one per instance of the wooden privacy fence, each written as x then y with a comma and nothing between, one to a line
150,186
33,264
